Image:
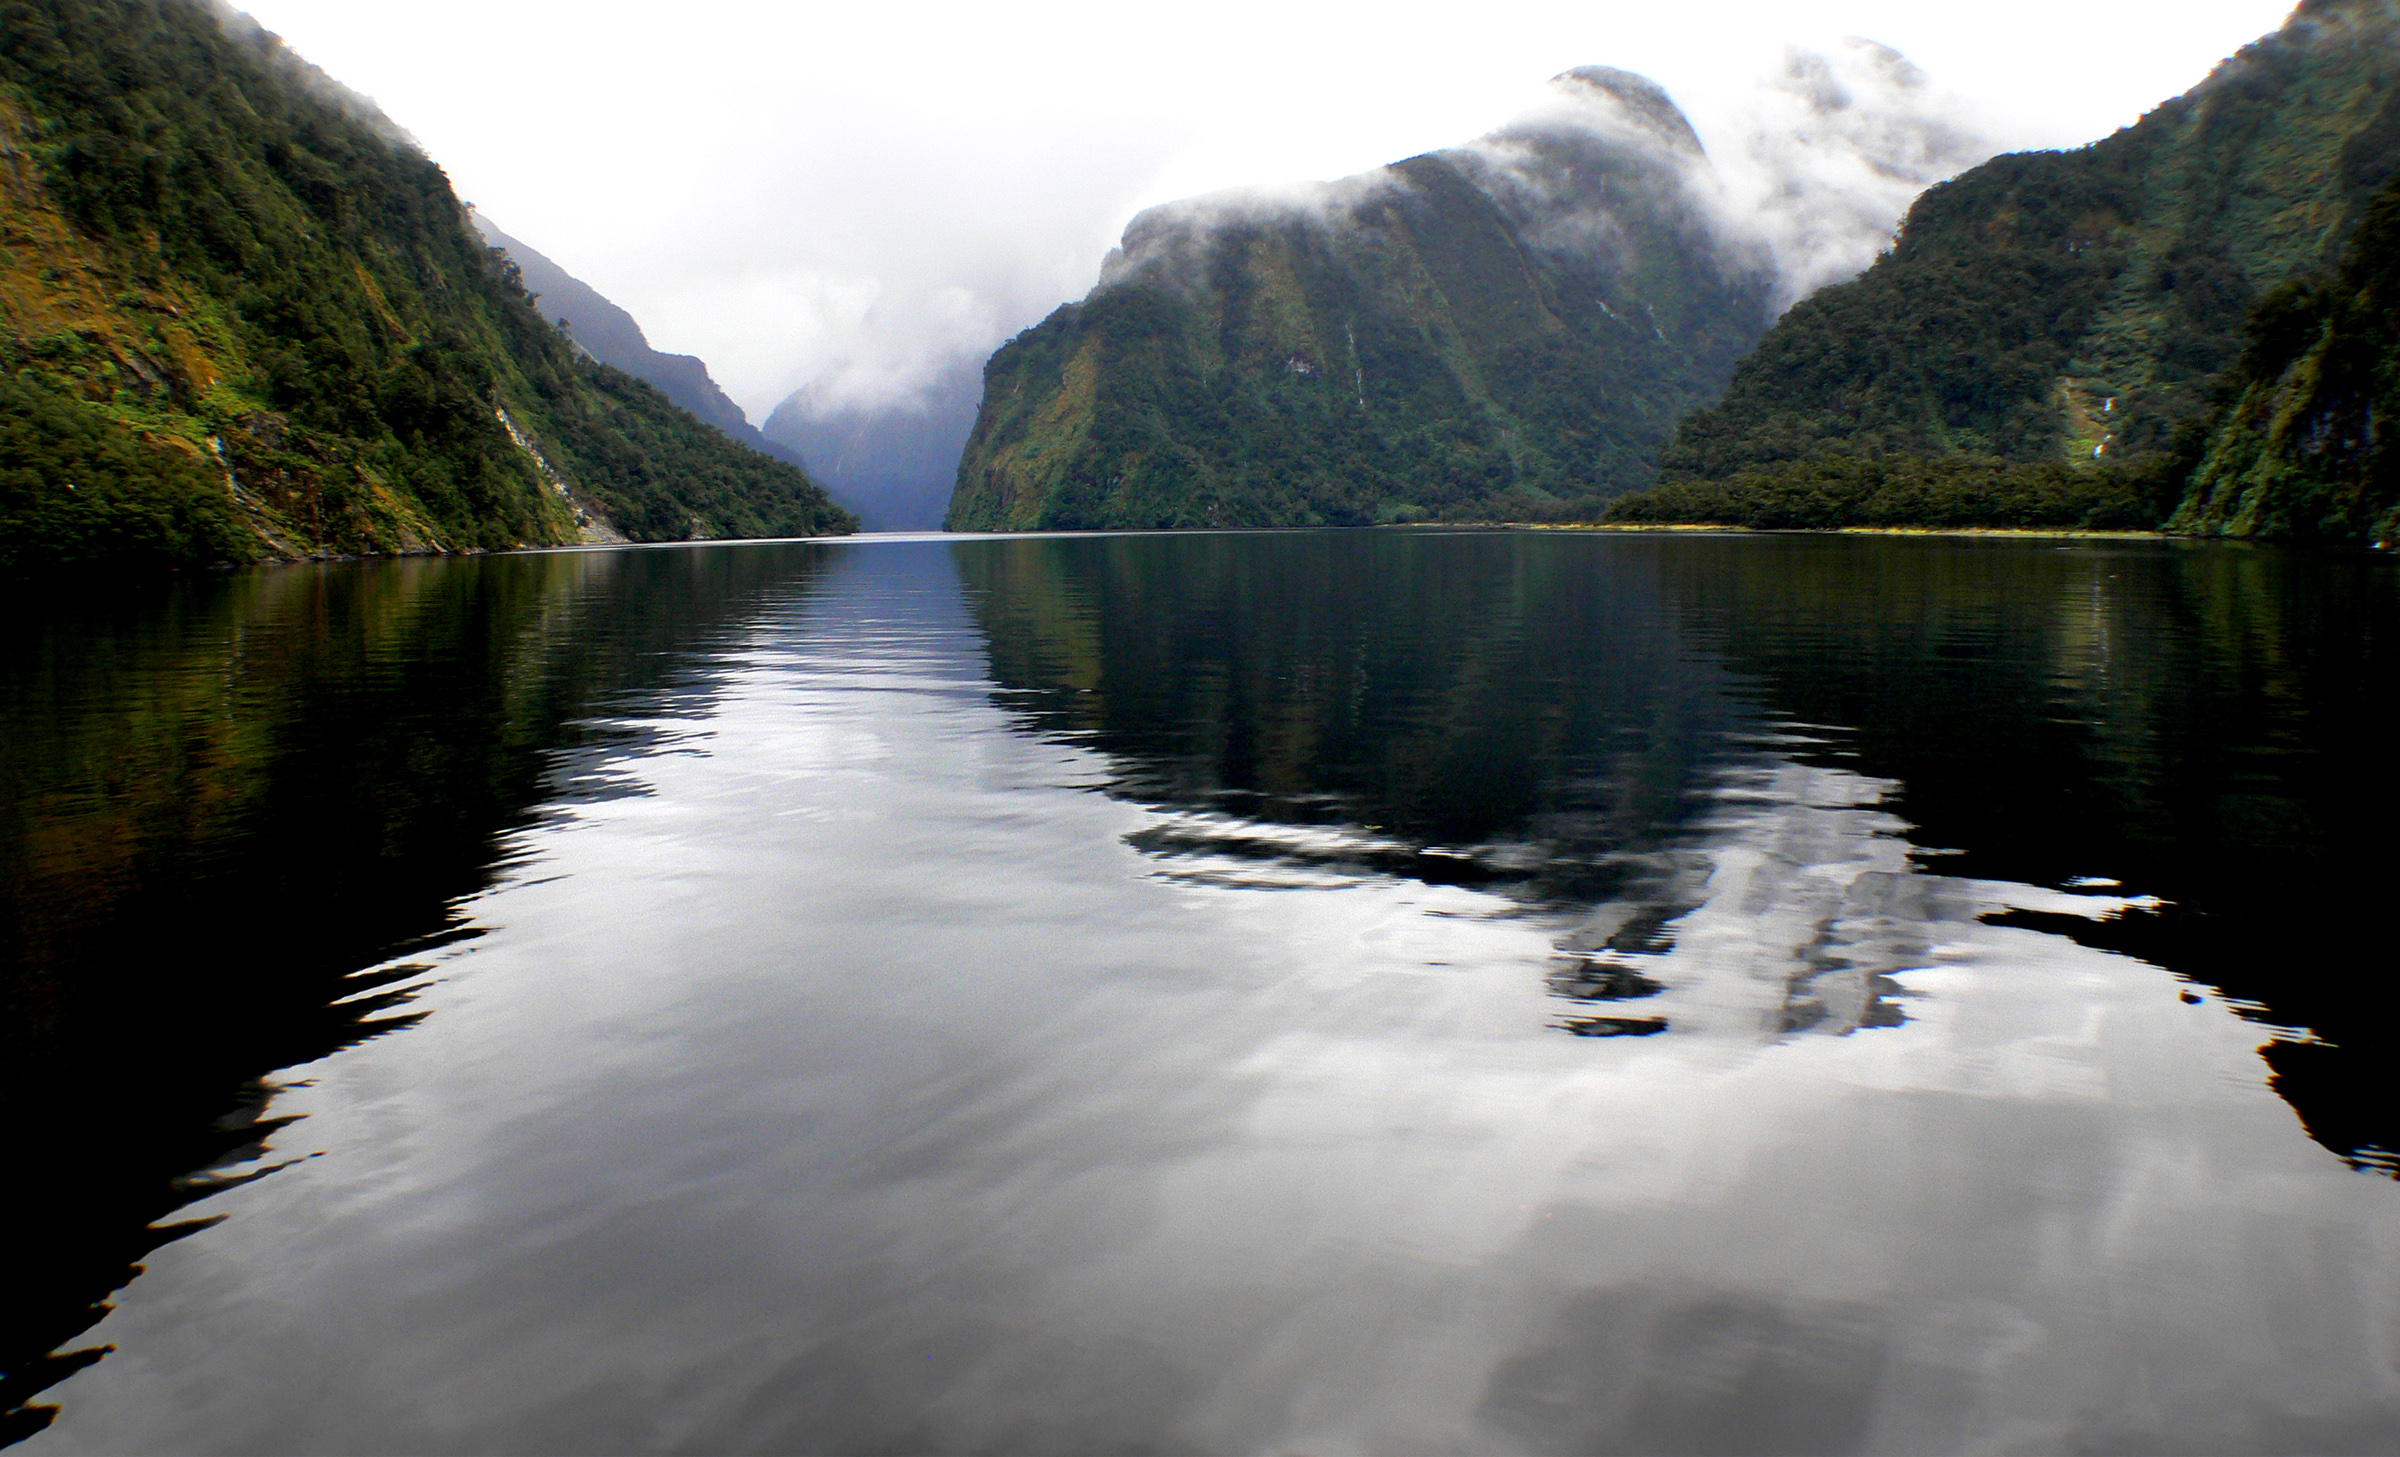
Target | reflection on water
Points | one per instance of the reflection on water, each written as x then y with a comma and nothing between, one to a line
1511,993
239,818
1486,710
2206,726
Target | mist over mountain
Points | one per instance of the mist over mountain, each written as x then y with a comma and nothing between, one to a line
1834,147
614,337
2072,308
1814,167
296,71
1505,328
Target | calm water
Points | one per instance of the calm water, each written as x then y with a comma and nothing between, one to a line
1327,993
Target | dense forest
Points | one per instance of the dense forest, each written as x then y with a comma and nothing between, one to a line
2061,310
1438,340
2289,444
2076,339
1842,491
245,317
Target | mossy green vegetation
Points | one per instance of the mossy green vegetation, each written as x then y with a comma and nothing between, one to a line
2301,444
1433,341
2058,315
77,488
214,263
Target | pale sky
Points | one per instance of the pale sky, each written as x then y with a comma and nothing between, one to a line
856,195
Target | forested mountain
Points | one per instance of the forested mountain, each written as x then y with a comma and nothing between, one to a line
243,316
2051,308
615,338
1509,328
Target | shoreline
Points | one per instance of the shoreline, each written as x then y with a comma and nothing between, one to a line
2076,532
2052,533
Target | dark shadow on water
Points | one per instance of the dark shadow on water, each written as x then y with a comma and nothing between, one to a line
1460,709
238,820
242,821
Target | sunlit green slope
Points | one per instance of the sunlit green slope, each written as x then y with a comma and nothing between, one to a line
242,316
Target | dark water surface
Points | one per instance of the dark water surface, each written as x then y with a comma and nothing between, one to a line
1330,993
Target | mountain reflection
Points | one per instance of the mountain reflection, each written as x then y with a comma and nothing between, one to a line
1503,712
228,798
1694,755
1468,709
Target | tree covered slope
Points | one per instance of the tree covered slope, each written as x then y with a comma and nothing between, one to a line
1508,329
242,316
2070,307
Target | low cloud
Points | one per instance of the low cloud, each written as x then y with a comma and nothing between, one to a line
1809,174
241,27
1598,143
1168,243
1797,182
1821,162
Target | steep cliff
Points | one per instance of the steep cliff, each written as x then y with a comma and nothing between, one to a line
1507,328
242,316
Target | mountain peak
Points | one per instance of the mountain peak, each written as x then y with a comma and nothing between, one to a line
1630,98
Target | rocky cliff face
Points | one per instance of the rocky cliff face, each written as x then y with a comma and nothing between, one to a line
1507,328
2071,307
242,316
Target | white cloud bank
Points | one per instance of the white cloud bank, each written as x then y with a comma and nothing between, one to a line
1833,147
854,198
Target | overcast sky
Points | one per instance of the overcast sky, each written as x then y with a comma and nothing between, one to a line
856,194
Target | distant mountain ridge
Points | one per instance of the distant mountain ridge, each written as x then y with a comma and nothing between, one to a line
892,465
241,316
614,337
2072,307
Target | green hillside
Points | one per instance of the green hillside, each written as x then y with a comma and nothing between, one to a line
241,316
2298,447
2057,308
1451,337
